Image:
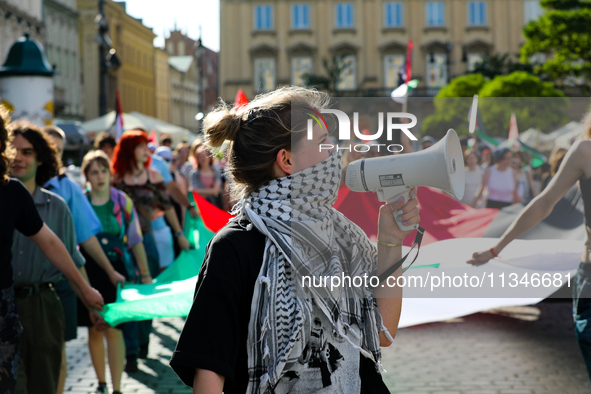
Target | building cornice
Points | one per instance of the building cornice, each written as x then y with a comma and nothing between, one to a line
10,11
71,13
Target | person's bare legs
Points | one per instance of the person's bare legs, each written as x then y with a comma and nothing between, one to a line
97,352
116,354
61,383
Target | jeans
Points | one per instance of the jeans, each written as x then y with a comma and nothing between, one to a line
582,311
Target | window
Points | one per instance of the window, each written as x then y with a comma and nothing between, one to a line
348,77
264,74
532,10
263,17
300,66
473,60
180,48
344,15
477,13
392,65
300,16
393,14
435,13
436,70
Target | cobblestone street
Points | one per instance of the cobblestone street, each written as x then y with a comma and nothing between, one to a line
510,350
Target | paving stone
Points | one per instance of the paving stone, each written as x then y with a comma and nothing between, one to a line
484,353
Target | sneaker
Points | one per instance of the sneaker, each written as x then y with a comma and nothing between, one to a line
131,365
102,389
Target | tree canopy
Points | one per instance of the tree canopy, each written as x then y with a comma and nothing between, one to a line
563,33
535,103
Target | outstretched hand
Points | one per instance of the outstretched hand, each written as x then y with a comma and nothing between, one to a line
480,258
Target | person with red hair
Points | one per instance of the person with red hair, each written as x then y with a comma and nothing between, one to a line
132,175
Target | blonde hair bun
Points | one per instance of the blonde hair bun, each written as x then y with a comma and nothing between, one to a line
221,125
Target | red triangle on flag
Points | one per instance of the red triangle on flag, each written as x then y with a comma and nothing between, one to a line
213,218
241,99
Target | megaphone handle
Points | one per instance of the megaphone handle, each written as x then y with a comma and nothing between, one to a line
406,195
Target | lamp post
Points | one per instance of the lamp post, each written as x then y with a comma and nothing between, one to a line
108,59
200,50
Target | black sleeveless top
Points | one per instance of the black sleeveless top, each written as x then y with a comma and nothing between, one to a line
585,185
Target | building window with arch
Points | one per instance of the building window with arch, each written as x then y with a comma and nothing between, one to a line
263,17
300,16
300,66
436,70
473,60
477,13
348,78
392,65
435,13
264,74
344,15
393,14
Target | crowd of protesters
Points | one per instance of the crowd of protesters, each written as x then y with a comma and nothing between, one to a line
64,250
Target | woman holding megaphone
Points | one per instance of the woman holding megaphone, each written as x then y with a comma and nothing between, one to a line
576,167
255,325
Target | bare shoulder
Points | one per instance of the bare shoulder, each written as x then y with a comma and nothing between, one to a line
582,147
155,176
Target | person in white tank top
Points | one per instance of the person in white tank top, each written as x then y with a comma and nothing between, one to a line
474,176
501,182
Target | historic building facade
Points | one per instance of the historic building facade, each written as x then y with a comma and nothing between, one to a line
265,44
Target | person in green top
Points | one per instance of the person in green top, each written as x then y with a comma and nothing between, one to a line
119,221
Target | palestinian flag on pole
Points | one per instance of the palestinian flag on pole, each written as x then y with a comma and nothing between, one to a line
404,78
118,117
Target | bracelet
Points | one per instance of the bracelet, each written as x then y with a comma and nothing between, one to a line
492,250
387,244
178,234
192,205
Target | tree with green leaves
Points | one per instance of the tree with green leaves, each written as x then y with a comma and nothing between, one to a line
535,103
452,105
499,64
563,33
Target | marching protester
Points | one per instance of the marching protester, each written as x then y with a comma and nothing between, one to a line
500,180
121,228
105,142
145,186
474,176
86,227
268,338
576,167
526,190
35,278
205,179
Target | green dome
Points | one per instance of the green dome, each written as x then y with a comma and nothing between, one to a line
26,58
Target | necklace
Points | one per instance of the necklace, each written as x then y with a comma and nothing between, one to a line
137,177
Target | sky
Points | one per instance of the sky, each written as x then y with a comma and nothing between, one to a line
161,16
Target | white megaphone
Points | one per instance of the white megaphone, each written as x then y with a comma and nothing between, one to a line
440,166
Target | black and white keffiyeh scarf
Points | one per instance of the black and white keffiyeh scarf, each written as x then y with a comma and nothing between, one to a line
306,236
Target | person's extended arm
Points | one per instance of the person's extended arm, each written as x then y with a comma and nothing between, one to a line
207,382
389,299
180,197
92,247
541,206
176,228
139,253
214,191
54,250
483,184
